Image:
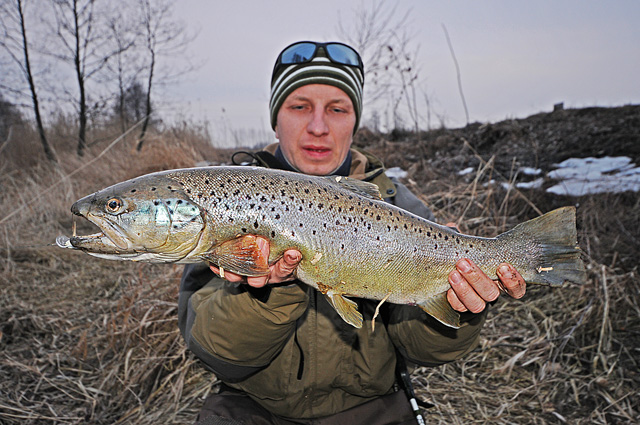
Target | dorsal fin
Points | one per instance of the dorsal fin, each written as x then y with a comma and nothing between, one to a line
366,189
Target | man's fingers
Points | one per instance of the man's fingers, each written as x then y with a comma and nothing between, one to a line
284,268
483,286
231,277
465,292
512,282
455,302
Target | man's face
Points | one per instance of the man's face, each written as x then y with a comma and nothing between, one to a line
315,128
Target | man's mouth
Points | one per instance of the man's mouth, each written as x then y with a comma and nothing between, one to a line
316,150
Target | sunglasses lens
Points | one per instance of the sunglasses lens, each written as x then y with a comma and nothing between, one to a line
343,54
298,53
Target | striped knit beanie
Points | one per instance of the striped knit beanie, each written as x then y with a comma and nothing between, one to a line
320,70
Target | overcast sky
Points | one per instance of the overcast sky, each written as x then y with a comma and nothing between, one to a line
516,58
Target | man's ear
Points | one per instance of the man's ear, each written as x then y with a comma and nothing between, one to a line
276,130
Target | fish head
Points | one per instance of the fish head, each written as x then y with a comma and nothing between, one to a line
149,218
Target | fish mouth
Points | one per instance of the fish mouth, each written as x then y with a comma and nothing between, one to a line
109,239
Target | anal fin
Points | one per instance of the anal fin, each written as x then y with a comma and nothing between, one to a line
346,308
439,308
241,255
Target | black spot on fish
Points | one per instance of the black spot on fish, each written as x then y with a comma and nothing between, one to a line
273,234
206,181
133,191
378,218
435,246
314,232
244,230
320,206
446,238
263,199
300,208
306,191
156,203
236,192
255,224
153,189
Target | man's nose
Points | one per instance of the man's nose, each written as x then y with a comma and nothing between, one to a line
318,124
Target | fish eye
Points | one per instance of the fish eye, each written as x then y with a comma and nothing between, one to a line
114,205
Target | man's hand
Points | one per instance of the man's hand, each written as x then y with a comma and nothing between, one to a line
471,288
280,271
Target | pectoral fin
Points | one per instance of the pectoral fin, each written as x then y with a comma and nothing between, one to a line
441,310
346,308
240,255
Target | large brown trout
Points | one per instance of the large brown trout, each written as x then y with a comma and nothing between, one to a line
352,242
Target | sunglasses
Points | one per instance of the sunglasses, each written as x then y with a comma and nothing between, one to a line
305,51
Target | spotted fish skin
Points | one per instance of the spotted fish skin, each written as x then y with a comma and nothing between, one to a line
352,242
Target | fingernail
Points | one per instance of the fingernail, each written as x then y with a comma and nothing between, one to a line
463,265
455,277
504,270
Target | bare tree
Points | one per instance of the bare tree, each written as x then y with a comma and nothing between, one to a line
84,44
163,37
125,68
16,44
389,51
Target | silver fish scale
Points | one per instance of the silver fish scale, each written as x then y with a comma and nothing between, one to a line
351,243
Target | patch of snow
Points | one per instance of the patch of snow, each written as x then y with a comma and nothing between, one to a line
530,171
396,172
584,176
466,171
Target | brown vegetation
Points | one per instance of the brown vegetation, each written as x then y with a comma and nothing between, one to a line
84,340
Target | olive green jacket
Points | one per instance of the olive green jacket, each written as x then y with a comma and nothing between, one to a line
287,348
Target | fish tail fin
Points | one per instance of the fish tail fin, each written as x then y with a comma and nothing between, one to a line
558,259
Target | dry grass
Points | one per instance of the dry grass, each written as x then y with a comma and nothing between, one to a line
84,340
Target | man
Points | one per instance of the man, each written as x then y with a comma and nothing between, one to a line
282,352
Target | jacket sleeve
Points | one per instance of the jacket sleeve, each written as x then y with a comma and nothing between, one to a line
420,338
423,340
236,330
